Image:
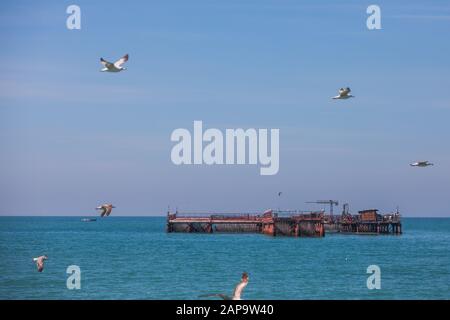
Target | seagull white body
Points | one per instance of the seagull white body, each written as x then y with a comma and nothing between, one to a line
40,262
114,67
238,290
421,164
106,209
344,93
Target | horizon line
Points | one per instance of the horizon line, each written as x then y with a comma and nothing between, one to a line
148,216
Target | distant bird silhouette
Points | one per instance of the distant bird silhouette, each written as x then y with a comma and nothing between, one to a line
344,93
40,262
237,290
279,193
421,164
106,209
114,67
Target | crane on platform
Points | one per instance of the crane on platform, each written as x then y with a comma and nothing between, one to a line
332,203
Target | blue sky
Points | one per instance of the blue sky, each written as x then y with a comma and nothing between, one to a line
72,137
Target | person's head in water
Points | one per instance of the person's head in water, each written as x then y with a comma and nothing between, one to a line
245,277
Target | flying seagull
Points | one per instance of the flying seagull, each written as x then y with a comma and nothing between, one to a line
114,67
237,291
344,93
421,164
40,262
106,209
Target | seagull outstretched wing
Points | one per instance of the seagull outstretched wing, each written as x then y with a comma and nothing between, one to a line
106,209
118,64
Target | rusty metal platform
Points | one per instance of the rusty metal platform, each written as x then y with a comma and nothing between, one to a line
295,224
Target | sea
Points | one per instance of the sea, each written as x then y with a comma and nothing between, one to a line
134,258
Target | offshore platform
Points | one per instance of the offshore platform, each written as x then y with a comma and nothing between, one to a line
292,223
296,224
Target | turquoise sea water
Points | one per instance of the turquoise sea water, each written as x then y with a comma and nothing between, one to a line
133,258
